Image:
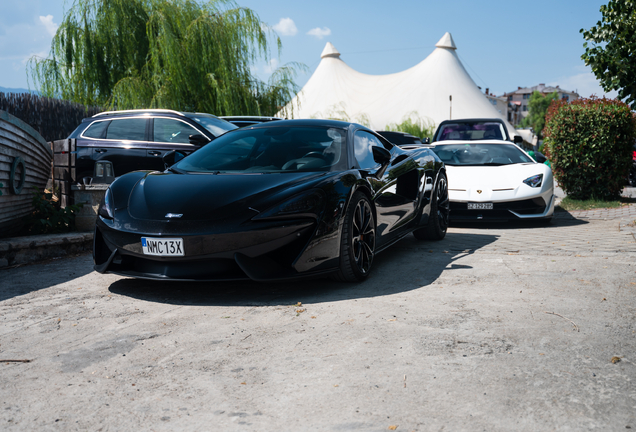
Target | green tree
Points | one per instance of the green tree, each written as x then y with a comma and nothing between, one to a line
537,108
177,54
613,44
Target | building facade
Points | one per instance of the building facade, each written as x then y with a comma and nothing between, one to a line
499,102
518,100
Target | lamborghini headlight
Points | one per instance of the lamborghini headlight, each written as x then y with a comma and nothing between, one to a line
107,207
534,181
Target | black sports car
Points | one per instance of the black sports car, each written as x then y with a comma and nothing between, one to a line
280,200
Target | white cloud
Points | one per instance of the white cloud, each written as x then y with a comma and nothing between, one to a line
286,27
49,25
39,55
584,83
319,32
271,66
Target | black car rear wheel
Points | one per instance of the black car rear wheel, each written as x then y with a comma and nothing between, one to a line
357,247
440,210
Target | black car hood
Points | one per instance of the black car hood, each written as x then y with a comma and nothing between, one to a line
212,196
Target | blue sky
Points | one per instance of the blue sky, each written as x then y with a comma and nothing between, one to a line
503,44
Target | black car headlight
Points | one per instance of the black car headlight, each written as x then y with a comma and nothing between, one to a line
106,208
310,203
534,181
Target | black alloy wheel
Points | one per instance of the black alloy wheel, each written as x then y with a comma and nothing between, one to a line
440,213
358,240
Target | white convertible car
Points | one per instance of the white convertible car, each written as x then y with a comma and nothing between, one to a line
494,180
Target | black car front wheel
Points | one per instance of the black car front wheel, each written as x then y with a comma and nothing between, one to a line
437,224
357,246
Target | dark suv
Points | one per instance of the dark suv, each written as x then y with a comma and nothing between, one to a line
137,139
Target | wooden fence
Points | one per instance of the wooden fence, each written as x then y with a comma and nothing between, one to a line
64,176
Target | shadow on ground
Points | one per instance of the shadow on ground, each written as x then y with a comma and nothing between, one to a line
563,220
26,278
409,264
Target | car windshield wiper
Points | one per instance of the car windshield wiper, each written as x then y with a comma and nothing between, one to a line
174,170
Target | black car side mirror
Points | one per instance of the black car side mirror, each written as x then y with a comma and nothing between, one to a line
517,139
198,140
172,157
381,155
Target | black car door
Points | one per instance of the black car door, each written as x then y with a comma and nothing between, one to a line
395,190
122,142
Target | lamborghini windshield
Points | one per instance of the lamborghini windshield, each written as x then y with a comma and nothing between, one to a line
270,150
480,154
471,131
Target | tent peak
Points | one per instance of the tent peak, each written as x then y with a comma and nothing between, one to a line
446,42
330,51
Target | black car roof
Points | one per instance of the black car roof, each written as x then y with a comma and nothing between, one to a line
398,133
474,120
128,113
251,118
125,113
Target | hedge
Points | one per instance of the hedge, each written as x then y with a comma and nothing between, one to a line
589,144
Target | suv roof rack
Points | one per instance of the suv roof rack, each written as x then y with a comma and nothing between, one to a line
105,113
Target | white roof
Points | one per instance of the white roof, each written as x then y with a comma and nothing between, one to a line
337,91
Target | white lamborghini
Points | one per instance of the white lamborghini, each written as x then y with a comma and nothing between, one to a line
494,180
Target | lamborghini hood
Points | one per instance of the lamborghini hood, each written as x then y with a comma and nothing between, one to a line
492,177
212,196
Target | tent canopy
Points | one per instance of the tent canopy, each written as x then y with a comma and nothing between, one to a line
424,91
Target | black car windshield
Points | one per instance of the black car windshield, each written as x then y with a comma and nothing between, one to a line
466,131
480,154
214,124
271,150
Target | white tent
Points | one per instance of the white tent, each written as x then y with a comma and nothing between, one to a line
337,91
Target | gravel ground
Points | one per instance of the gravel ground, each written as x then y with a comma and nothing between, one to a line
495,328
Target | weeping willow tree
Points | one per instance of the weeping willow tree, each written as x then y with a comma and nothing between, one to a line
176,54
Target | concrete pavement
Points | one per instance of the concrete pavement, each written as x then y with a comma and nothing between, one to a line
497,327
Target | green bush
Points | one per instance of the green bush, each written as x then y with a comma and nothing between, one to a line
589,144
48,217
414,125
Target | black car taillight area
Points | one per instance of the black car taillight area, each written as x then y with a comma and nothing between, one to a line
106,208
310,203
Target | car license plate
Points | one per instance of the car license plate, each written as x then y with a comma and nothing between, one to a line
479,206
162,246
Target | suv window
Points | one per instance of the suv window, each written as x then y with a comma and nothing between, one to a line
172,131
96,130
214,124
132,129
362,144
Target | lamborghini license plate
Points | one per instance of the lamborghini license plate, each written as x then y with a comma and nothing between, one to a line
479,206
162,246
